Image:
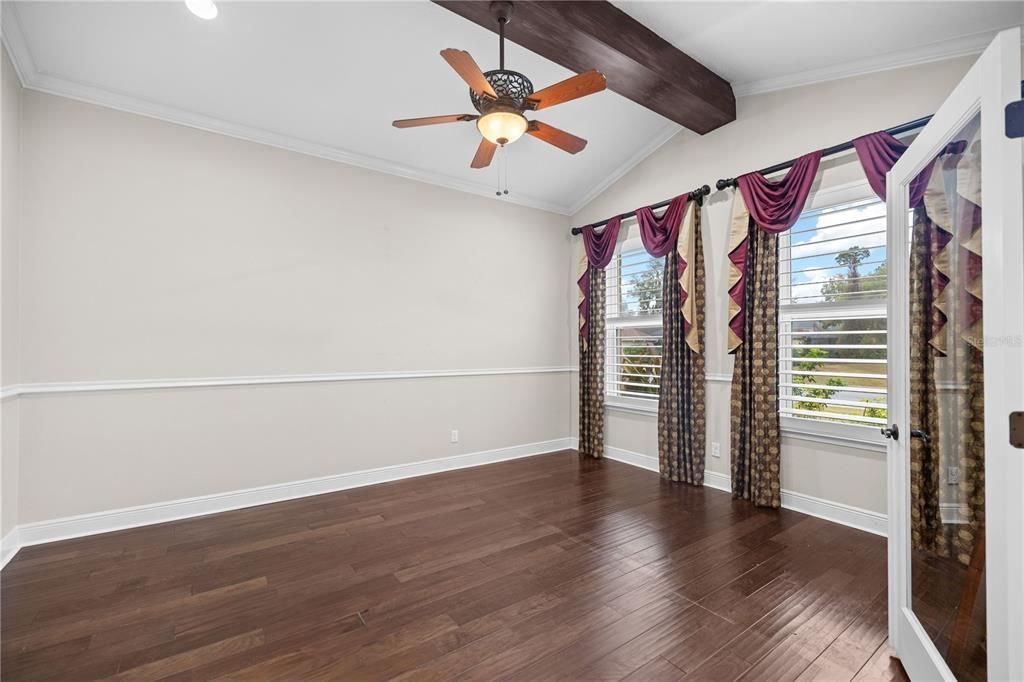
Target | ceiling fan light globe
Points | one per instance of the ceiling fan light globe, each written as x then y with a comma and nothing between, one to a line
502,127
204,9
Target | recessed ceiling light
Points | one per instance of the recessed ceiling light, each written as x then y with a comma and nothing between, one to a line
204,9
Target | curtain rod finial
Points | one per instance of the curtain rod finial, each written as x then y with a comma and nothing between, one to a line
699,194
725,182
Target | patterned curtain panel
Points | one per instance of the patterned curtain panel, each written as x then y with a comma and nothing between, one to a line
972,455
598,249
755,380
681,406
946,262
762,209
925,477
592,351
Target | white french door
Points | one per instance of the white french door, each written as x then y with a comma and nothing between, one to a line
956,484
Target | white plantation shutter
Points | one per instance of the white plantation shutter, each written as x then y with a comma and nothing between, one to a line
633,323
832,316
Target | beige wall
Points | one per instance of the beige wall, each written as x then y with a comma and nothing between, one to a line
155,251
10,116
772,127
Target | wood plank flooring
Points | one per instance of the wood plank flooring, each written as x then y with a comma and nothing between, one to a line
550,567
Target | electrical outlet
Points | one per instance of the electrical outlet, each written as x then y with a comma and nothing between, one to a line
455,435
953,475
716,450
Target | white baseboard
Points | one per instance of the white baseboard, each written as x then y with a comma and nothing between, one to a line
951,513
9,546
133,517
635,458
837,512
713,479
144,515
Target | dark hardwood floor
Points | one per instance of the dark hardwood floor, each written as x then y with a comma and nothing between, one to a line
539,568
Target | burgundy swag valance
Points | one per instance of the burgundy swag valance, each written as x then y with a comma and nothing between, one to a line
659,235
774,206
599,247
878,153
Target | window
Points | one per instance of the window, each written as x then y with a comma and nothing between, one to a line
832,319
633,326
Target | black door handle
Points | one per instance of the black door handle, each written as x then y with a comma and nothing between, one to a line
892,432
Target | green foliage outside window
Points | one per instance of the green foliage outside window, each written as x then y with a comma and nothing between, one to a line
640,371
646,286
849,286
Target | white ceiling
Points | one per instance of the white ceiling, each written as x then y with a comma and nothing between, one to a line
327,78
762,46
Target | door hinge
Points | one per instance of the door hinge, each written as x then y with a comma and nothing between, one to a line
1015,117
1017,429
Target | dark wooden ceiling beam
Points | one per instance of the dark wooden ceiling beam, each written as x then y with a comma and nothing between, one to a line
637,62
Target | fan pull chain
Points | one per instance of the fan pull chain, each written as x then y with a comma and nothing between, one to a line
502,172
501,156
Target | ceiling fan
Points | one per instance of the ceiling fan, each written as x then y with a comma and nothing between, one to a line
502,97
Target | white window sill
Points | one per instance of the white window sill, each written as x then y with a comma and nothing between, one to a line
866,438
843,435
644,406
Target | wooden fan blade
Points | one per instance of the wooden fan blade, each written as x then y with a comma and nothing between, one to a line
465,66
556,137
432,120
586,83
484,154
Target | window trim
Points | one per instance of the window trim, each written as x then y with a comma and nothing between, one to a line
853,436
617,401
845,435
625,403
857,436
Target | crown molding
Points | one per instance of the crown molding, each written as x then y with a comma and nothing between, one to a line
666,133
207,382
34,79
971,44
52,85
14,40
12,37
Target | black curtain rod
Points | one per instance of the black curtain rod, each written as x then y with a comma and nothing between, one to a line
696,195
700,193
834,149
896,130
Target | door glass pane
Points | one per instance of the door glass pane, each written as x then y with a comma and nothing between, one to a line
947,486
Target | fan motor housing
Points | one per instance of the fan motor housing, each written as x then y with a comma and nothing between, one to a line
511,87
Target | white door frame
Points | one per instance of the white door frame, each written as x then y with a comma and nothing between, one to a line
992,82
